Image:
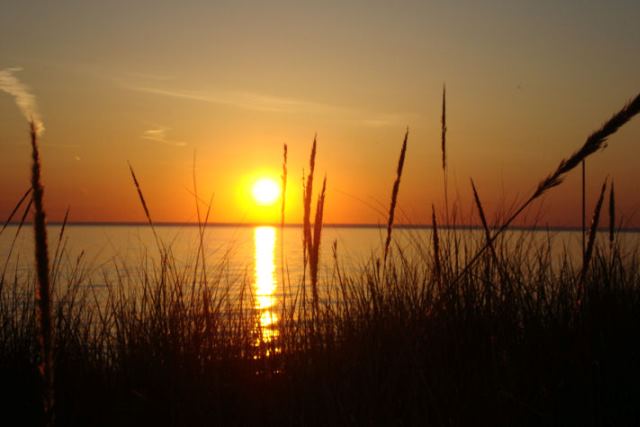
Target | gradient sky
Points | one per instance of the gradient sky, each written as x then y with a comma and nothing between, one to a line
152,82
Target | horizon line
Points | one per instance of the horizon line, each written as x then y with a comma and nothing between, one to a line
328,225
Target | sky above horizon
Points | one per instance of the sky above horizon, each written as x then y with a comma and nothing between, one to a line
157,83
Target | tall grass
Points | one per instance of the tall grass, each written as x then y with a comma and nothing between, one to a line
443,149
283,185
283,201
437,268
584,206
143,202
15,209
43,290
483,221
593,230
447,335
612,216
596,141
312,235
394,195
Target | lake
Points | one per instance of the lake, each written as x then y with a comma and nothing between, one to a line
237,255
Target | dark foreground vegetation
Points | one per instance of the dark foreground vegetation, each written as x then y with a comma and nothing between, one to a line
493,331
512,342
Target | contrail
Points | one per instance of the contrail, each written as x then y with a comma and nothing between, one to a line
25,100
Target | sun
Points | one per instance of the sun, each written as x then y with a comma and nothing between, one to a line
266,191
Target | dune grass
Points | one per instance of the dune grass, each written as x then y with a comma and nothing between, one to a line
445,334
43,288
512,343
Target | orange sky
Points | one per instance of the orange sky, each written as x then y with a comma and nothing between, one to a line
152,83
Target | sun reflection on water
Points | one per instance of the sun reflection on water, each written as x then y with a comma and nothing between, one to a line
265,287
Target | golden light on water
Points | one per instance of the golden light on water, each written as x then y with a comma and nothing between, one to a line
265,282
265,242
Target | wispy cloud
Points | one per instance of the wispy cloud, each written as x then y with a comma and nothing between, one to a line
275,104
384,120
160,135
57,145
244,100
168,85
25,100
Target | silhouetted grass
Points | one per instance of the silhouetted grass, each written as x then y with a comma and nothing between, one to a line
43,288
442,335
394,195
596,141
514,348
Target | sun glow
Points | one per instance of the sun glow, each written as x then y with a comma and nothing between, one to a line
266,191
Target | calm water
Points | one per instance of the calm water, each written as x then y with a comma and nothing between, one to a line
254,255
240,252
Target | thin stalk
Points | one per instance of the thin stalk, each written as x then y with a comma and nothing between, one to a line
584,208
43,290
307,237
282,220
612,217
308,191
57,255
394,195
436,249
13,242
315,251
144,206
443,146
595,142
15,209
595,220
483,220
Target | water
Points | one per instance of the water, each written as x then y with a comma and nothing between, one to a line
235,246
238,254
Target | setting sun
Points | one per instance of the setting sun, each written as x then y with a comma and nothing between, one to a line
266,191
424,213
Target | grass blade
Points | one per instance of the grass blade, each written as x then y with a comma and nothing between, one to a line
596,141
595,220
15,209
394,195
43,291
144,206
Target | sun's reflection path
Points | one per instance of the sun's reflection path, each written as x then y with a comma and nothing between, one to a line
265,290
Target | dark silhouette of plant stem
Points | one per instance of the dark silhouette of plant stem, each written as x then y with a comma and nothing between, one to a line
595,220
394,195
612,216
15,209
43,291
584,208
144,206
595,142
443,146
436,248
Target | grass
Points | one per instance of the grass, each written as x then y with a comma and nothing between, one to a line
445,334
43,288
504,348
394,195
